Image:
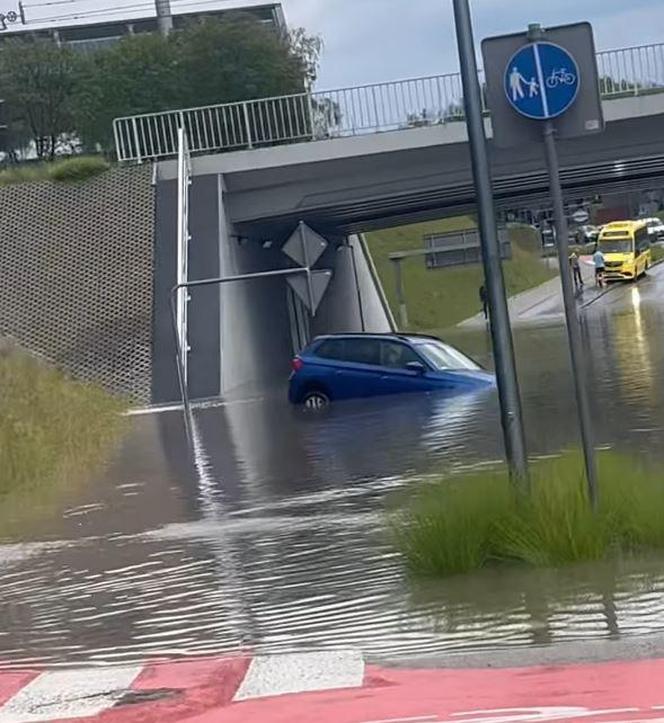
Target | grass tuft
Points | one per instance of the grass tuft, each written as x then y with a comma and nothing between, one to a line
78,168
68,170
470,522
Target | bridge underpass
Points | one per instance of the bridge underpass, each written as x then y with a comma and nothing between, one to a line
244,205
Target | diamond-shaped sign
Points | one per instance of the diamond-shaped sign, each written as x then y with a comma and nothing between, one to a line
305,246
311,290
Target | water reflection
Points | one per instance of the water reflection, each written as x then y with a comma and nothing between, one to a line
272,537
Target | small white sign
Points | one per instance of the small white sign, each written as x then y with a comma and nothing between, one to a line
580,216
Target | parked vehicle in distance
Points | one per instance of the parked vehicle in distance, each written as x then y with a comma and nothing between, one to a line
655,228
626,249
587,234
349,366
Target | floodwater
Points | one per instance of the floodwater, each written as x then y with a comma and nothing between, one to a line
273,538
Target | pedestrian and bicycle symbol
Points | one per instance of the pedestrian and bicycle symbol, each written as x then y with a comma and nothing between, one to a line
542,81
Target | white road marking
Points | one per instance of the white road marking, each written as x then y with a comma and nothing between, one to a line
59,694
301,673
417,719
178,407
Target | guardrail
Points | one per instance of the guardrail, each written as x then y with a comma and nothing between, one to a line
361,110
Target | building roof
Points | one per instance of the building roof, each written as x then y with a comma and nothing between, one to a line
98,33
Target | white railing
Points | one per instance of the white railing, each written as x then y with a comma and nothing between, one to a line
348,111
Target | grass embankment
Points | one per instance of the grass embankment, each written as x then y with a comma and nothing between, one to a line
441,298
68,170
476,520
53,431
657,253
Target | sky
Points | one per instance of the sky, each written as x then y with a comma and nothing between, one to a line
367,41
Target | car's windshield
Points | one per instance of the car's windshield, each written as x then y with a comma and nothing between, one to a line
616,246
444,357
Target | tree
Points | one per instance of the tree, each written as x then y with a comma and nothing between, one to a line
237,58
211,61
54,94
139,74
39,82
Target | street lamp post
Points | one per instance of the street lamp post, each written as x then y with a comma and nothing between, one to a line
503,347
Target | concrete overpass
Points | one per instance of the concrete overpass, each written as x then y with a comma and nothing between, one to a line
243,204
353,184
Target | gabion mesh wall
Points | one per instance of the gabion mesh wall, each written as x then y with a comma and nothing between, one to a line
76,264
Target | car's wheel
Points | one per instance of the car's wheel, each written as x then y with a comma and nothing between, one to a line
315,400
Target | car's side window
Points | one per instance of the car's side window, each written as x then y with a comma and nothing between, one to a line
396,356
332,349
362,351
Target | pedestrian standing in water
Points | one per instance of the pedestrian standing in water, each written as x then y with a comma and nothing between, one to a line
484,300
600,268
575,265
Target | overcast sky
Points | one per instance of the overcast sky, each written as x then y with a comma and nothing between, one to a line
375,40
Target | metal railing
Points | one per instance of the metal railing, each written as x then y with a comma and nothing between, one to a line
361,110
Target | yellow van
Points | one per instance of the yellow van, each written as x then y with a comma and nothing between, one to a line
626,249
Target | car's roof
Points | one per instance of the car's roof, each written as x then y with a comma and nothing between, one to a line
412,338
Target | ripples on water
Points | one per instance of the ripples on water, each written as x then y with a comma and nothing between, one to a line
275,538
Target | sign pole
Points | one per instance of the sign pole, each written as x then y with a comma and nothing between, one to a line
535,35
573,327
503,347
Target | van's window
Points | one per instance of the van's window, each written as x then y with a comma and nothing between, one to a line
642,239
616,246
396,356
444,357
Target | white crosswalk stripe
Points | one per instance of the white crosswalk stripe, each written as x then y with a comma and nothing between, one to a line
61,694
301,673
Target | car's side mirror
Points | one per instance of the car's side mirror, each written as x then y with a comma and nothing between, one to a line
416,367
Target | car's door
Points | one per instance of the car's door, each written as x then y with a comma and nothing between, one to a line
396,377
358,375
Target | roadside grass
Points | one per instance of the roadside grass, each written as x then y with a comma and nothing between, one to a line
441,298
657,252
68,170
53,432
473,521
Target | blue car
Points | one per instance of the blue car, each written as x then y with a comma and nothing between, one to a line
348,366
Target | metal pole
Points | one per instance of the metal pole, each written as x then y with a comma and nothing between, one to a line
164,16
360,305
305,258
401,299
503,347
573,327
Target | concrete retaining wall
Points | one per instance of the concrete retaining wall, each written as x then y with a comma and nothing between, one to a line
76,263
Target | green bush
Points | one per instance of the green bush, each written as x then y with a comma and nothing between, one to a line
472,521
78,168
22,174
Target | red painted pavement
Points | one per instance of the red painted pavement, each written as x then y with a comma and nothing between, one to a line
456,695
625,691
12,682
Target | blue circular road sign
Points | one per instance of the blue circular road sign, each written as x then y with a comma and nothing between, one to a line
542,81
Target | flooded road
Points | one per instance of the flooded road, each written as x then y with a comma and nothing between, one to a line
274,538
